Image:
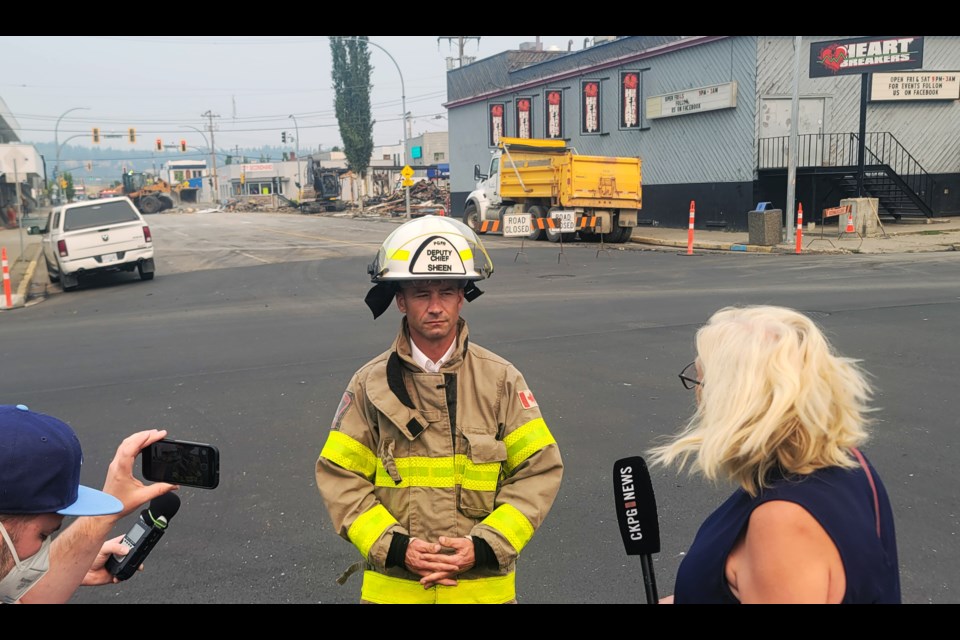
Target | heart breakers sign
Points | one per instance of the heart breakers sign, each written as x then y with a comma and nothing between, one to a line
865,55
437,257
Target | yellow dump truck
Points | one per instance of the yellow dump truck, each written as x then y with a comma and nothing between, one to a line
545,177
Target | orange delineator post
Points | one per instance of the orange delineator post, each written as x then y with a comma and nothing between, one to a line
799,227
6,281
690,230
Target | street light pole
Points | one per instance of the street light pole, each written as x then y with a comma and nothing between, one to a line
213,153
16,176
56,141
299,175
403,105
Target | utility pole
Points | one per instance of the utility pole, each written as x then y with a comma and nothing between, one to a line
461,40
793,146
213,156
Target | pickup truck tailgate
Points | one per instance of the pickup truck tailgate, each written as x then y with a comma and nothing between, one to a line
88,243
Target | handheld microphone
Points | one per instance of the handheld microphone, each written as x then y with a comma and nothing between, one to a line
144,534
637,516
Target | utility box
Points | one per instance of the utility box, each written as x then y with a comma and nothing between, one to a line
765,226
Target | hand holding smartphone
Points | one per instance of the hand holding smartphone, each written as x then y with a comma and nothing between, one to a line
191,464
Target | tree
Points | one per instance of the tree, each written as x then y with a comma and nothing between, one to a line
69,191
351,86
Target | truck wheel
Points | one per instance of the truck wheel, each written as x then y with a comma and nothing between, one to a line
144,275
149,204
535,233
471,218
165,203
625,234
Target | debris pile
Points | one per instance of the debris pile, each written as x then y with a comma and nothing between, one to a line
265,205
426,197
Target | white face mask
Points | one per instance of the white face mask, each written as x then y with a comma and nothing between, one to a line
25,575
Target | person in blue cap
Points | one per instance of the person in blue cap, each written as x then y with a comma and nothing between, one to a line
40,459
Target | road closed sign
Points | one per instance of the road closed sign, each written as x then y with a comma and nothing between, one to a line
566,220
516,225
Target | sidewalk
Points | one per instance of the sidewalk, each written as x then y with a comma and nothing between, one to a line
22,265
906,236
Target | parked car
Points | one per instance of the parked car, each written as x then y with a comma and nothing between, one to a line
95,236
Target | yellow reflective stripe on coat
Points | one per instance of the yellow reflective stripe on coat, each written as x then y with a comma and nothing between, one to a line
383,589
349,454
442,473
511,524
525,441
368,527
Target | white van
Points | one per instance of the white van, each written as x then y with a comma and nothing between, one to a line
95,236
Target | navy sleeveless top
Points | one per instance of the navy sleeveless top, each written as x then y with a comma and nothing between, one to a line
842,502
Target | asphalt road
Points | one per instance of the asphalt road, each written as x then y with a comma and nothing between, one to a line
255,323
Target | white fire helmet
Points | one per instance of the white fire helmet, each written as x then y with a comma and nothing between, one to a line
427,248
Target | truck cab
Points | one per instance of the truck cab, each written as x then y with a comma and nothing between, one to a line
484,202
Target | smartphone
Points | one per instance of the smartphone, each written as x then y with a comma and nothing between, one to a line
191,464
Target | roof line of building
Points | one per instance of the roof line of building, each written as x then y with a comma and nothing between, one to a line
646,53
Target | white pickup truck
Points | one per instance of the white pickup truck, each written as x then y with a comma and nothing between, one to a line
95,236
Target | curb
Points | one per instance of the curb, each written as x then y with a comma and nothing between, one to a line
24,287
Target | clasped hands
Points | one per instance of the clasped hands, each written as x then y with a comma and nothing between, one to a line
439,563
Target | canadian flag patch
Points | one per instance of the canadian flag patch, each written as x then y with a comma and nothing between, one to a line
527,399
345,401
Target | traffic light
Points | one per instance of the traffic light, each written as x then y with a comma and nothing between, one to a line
283,136
183,146
133,134
159,146
96,135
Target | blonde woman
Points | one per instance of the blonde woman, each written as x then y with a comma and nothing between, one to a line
781,415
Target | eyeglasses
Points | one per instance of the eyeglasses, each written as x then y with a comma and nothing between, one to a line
687,376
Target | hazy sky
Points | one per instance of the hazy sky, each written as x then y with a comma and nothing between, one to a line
162,84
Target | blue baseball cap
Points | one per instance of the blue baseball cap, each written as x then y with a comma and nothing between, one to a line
40,460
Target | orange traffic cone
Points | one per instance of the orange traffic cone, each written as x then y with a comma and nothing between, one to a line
799,227
850,228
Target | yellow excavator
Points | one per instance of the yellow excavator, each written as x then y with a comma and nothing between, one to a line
152,195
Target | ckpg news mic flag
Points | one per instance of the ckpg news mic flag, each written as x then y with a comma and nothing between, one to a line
637,516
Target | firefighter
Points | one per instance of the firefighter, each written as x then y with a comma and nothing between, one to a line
438,467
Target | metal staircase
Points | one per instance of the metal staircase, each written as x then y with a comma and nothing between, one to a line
891,173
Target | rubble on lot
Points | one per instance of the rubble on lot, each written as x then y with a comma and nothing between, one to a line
425,197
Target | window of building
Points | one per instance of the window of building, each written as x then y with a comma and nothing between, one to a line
496,123
553,116
590,111
631,100
524,113
437,157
